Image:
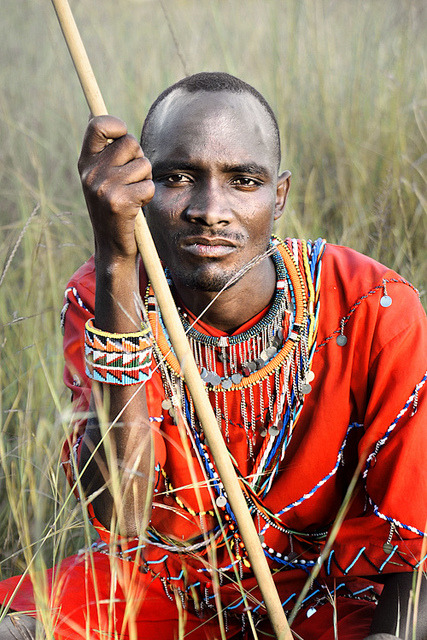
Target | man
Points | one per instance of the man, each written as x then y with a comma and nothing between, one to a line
313,360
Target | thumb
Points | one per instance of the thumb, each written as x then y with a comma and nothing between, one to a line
100,132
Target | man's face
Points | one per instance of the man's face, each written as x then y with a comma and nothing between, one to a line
216,187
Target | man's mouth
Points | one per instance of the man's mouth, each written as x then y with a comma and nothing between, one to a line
209,247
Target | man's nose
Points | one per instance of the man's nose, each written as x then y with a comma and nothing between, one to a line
209,205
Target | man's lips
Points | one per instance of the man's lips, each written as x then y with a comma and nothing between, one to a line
212,247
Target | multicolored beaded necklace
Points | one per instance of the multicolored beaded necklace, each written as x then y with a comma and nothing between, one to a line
269,363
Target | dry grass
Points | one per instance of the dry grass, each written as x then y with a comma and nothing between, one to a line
347,81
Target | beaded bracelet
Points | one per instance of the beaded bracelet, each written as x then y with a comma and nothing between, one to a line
117,358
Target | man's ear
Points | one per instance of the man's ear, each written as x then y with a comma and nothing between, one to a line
283,186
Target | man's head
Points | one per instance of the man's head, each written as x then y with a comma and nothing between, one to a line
215,156
212,82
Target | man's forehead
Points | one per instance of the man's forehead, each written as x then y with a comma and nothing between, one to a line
181,102
189,116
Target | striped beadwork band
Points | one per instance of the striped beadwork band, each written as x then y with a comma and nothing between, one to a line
116,358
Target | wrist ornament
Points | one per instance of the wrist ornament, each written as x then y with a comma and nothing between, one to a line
117,358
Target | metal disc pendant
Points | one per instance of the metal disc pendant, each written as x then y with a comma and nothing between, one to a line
310,376
305,388
237,378
274,431
386,301
261,537
270,352
277,342
388,547
221,501
341,340
204,373
248,368
166,404
260,363
226,383
263,433
213,379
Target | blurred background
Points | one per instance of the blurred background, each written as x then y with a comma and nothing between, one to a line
347,81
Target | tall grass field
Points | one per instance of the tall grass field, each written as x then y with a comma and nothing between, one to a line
347,80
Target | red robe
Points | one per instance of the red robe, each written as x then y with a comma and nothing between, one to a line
366,400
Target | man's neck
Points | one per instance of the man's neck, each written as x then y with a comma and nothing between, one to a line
236,305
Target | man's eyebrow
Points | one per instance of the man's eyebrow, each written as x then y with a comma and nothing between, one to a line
252,168
164,166
249,168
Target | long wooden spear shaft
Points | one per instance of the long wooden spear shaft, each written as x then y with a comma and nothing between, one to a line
182,350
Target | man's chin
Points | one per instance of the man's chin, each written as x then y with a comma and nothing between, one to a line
203,281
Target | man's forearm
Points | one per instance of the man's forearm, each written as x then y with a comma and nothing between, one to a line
121,469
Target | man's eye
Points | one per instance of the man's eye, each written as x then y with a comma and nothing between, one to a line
246,182
175,178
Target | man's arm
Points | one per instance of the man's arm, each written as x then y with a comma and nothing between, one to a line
116,179
394,613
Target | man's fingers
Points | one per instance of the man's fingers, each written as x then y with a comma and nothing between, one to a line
99,133
122,151
136,171
106,146
141,193
116,179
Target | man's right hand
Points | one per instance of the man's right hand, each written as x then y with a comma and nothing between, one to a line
116,179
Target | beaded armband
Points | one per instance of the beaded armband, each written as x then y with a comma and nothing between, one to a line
117,358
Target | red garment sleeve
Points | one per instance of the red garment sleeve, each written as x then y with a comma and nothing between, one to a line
388,536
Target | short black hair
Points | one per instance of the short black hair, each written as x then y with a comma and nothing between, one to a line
213,81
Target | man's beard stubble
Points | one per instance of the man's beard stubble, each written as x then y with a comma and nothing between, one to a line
197,280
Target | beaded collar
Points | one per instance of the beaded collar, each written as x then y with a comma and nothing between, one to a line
278,384
261,349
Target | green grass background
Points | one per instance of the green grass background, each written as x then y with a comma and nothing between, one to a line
347,80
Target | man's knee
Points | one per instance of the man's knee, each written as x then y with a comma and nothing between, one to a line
18,626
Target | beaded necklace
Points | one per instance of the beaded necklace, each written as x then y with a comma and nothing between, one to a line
270,363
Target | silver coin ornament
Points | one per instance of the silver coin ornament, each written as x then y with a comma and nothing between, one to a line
237,378
248,368
226,383
305,388
204,373
385,301
174,415
310,376
341,340
263,433
213,379
166,404
388,547
270,352
221,501
274,431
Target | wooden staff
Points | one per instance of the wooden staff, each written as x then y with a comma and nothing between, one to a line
182,350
